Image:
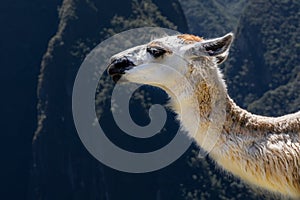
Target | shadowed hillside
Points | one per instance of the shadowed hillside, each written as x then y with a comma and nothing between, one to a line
212,18
25,32
265,61
62,168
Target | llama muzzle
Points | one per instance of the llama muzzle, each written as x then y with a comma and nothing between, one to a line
118,67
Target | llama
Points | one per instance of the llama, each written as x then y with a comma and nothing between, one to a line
262,151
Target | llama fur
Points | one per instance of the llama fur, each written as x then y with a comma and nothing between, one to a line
262,151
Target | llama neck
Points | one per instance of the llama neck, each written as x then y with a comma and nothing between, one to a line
211,117
260,149
201,108
240,122
217,124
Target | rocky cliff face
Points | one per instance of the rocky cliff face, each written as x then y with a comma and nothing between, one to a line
264,63
212,18
62,168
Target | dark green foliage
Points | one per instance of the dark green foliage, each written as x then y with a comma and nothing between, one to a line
212,18
265,56
144,13
62,168
284,99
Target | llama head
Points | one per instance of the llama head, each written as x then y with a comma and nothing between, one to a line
164,62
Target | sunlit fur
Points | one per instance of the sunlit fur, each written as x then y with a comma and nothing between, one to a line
262,151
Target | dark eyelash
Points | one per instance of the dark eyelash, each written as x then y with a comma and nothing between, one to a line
156,51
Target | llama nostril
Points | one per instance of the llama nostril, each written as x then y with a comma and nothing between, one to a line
118,66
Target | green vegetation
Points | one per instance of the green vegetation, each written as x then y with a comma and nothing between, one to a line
144,13
212,18
265,57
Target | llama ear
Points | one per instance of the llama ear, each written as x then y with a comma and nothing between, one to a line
217,47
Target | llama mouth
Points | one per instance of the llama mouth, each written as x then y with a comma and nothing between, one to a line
117,73
118,67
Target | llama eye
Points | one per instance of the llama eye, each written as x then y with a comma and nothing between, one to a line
156,51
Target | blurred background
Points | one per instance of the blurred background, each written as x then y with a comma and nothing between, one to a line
42,45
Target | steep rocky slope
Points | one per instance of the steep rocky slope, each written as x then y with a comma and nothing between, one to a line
62,168
212,18
264,63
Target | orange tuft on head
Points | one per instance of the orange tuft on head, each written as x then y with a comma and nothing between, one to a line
190,38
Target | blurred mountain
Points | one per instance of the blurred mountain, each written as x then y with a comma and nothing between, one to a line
212,18
62,168
264,62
